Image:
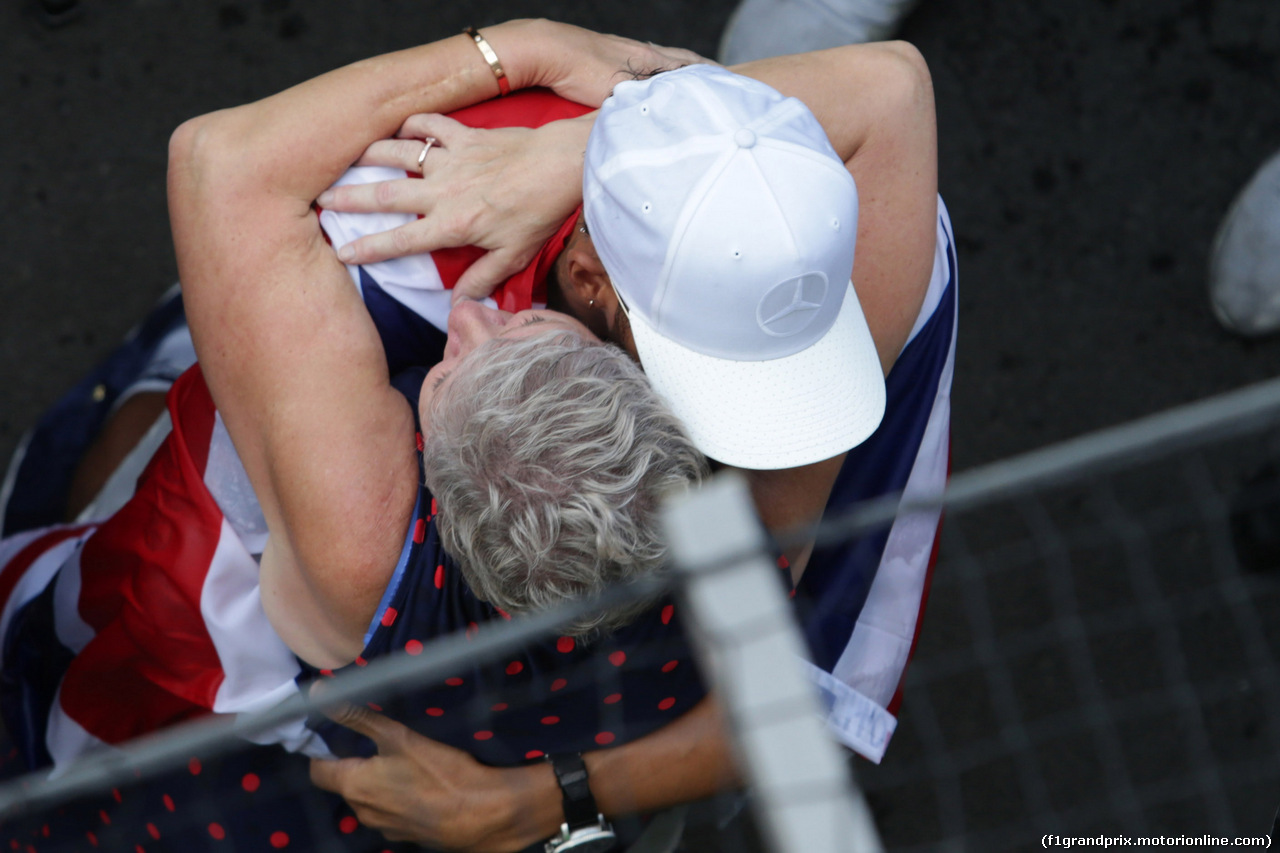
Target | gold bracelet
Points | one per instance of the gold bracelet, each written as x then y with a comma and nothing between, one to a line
504,85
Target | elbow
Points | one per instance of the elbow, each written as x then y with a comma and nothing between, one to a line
199,151
906,66
188,145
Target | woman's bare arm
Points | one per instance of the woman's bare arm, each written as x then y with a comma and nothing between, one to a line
289,353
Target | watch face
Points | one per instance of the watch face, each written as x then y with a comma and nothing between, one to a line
590,839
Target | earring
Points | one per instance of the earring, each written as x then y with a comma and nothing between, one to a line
591,303
582,228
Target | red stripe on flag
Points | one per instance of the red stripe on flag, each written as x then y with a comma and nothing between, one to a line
152,662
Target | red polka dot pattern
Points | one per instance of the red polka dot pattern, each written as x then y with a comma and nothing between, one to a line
435,508
667,613
413,647
439,577
515,668
194,766
564,645
483,735
374,706
667,704
670,665
106,818
153,831
550,720
605,738
389,617
216,830
419,531
115,795
500,706
453,682
435,712
534,753
250,782
613,699
279,840
558,684
168,803
472,628
348,825
618,658
417,439
361,661
504,614
93,839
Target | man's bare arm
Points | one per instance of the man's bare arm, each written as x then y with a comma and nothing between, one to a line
876,103
419,790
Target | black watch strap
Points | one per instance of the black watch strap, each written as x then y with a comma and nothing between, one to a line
579,806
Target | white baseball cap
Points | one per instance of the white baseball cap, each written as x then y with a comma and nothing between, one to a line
727,225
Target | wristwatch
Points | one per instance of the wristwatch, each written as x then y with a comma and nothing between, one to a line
584,829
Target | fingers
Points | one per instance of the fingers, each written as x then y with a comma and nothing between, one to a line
400,154
406,150
413,238
483,276
422,125
408,195
334,774
384,732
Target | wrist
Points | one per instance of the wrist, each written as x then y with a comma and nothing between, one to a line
529,811
521,46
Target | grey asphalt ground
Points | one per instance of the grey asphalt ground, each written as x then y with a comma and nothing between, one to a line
1088,150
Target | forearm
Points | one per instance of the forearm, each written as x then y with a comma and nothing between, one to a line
297,142
789,500
689,759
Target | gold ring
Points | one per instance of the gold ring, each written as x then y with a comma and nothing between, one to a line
422,158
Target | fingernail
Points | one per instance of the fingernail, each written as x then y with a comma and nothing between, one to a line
346,254
325,198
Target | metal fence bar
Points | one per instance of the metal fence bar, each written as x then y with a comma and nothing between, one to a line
805,797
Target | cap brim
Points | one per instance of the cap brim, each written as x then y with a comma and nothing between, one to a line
778,413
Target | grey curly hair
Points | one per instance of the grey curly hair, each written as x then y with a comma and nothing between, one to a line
548,456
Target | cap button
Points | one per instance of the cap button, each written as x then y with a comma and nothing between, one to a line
744,138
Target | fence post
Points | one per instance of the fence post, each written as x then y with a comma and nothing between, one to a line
749,648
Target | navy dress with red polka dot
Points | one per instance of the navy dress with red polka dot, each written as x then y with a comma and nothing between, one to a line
561,694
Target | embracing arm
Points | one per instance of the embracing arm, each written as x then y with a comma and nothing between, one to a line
289,353
419,790
876,104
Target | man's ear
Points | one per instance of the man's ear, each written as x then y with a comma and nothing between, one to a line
585,276
586,289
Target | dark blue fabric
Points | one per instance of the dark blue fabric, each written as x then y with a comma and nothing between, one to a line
66,430
34,663
838,578
407,338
